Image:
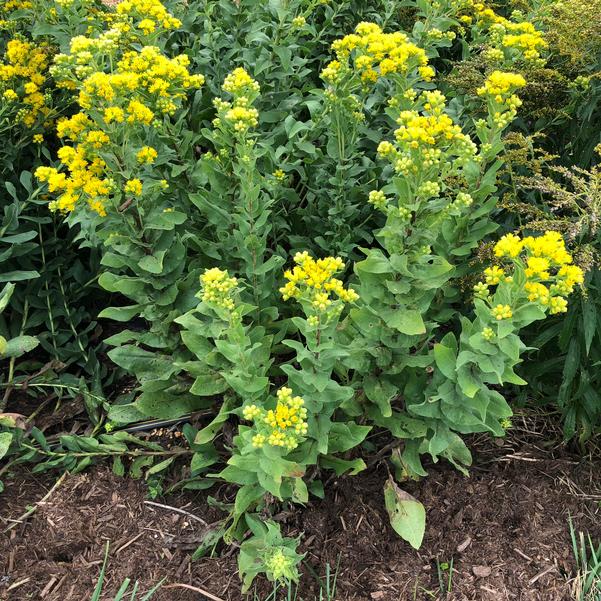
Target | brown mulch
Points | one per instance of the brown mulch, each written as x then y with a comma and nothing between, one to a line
505,528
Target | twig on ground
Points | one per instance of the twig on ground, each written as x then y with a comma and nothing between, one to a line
32,510
541,574
195,589
18,584
128,543
177,510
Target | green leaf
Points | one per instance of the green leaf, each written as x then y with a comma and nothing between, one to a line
165,220
163,404
159,467
407,514
19,238
152,263
526,314
135,470
208,432
210,538
125,414
208,385
5,295
245,497
118,467
341,466
122,314
146,365
589,322
446,359
467,382
346,436
18,276
367,322
15,347
380,391
406,321
375,262
5,440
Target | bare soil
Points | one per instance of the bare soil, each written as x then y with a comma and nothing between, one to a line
505,529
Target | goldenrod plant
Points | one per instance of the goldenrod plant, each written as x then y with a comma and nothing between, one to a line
286,200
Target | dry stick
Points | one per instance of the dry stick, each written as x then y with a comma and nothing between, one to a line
30,511
541,574
196,590
177,510
127,544
47,588
18,584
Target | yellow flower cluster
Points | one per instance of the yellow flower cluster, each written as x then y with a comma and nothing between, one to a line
283,426
239,113
314,281
242,117
299,22
133,187
509,245
416,130
502,312
550,246
548,271
22,75
501,85
499,88
378,199
522,37
240,83
488,333
508,39
85,179
9,6
148,15
146,155
217,288
122,91
376,54
162,82
427,137
494,275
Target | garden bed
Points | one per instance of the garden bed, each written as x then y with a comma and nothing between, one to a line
505,529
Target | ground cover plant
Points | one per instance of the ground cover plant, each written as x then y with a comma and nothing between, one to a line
309,232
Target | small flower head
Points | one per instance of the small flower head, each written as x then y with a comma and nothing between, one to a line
278,565
502,312
134,187
488,334
217,288
299,22
481,290
377,198
313,280
250,412
558,304
494,275
509,245
239,83
146,155
283,426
